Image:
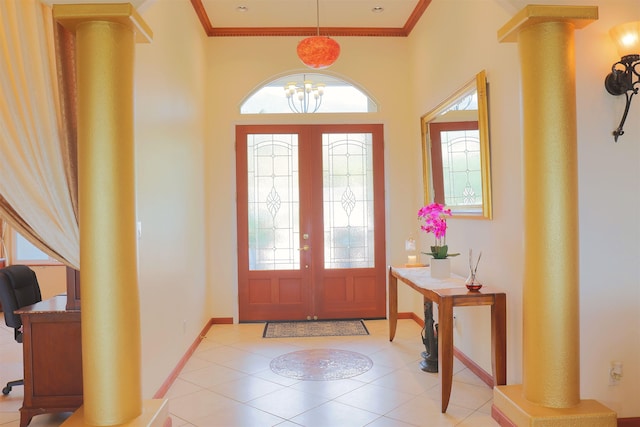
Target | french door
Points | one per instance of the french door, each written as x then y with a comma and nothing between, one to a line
310,204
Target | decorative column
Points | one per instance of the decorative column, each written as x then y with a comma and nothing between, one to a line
110,314
551,320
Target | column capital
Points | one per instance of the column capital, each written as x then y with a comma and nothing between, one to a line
71,15
579,16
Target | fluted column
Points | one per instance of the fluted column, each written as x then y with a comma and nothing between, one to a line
551,318
105,37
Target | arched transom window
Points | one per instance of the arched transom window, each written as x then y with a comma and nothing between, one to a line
308,93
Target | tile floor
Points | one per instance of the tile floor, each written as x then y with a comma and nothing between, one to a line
228,382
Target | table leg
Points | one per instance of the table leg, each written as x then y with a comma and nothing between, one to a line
393,305
27,415
445,348
499,339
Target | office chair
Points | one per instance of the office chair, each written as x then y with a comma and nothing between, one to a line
18,288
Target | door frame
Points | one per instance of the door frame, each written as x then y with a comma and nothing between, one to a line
375,307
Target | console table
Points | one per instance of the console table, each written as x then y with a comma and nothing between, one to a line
52,357
449,293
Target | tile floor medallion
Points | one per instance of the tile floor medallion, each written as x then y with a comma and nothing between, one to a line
321,364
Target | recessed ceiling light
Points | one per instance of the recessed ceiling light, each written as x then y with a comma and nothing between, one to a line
242,9
377,9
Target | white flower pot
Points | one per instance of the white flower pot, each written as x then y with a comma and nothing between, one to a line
440,268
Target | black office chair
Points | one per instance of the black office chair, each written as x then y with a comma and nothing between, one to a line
18,288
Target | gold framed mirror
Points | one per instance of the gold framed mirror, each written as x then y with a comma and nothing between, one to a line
455,152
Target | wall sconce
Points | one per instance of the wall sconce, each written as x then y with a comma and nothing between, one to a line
625,74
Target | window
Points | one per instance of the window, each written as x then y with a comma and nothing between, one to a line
24,252
320,94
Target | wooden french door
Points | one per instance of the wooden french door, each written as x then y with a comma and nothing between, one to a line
311,232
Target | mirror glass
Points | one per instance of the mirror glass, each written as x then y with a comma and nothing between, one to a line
455,151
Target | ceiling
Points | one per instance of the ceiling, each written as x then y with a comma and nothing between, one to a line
382,18
222,18
393,18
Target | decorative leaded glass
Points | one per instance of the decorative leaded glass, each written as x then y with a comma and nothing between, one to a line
461,167
273,202
348,200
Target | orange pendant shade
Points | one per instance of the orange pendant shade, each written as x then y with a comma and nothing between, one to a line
318,51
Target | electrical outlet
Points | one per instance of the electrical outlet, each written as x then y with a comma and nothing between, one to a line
615,373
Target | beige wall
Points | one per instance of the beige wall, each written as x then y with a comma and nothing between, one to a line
189,88
169,132
610,291
239,65
438,72
609,203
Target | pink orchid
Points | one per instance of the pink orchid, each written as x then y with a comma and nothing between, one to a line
435,222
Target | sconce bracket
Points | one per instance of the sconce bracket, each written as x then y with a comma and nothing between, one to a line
618,81
624,78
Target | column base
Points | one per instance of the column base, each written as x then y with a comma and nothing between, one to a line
510,405
155,413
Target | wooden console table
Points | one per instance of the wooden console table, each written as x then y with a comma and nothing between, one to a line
52,357
447,294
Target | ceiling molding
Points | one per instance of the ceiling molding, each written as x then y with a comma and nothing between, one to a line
404,31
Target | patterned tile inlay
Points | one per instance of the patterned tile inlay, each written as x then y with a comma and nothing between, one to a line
321,364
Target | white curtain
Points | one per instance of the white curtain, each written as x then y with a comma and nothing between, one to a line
33,182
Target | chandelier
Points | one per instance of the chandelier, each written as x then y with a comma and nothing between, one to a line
305,97
318,51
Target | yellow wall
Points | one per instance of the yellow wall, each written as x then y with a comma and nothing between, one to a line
52,279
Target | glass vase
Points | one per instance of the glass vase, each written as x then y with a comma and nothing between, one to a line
472,283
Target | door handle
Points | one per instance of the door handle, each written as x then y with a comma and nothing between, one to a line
304,248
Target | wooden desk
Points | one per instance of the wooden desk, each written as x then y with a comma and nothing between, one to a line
52,358
447,294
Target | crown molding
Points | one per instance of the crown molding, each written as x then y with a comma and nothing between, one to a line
212,31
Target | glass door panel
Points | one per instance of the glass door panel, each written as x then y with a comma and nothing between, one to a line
461,167
348,200
273,202
457,179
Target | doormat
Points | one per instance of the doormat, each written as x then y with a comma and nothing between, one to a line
321,364
314,328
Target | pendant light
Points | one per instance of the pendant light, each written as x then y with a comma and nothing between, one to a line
318,51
